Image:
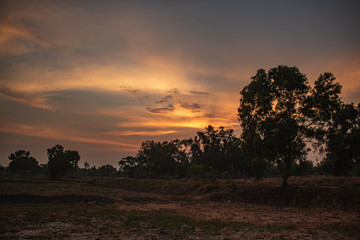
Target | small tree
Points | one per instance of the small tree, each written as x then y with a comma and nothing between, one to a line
61,161
21,161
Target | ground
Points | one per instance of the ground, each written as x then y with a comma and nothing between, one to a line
118,208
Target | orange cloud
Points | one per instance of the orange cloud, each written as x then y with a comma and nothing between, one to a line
140,133
50,133
27,98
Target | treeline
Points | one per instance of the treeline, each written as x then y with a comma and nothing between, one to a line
60,163
214,153
280,116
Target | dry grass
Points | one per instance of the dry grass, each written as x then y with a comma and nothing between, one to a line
112,208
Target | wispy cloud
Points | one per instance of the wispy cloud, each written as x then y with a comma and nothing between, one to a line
31,99
194,107
140,133
200,93
161,110
51,133
118,73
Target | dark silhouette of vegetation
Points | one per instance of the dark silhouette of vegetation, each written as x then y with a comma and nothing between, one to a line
343,141
61,161
210,154
280,112
157,159
272,116
22,162
280,115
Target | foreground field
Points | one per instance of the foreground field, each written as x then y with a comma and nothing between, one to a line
313,208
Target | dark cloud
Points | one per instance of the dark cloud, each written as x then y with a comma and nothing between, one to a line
73,46
165,99
161,110
194,107
200,93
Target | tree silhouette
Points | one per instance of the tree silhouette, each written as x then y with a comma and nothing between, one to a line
61,161
106,171
271,114
21,161
219,150
343,140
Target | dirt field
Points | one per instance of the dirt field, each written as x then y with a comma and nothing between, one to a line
115,208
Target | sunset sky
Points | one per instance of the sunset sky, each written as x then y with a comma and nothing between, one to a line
100,77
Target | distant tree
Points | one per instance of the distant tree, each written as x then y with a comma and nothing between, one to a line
218,151
2,169
21,161
106,171
61,161
128,166
86,166
168,158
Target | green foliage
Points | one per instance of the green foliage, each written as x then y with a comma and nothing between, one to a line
61,161
21,162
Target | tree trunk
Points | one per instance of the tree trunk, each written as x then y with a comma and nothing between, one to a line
286,175
284,182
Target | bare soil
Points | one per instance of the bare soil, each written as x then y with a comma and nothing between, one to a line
177,209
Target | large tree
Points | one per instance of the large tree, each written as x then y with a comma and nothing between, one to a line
273,116
61,161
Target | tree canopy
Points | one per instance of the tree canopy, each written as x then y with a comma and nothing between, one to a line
21,161
279,111
280,115
61,161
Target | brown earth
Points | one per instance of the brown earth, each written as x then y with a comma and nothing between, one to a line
177,209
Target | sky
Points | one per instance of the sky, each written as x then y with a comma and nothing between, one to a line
100,77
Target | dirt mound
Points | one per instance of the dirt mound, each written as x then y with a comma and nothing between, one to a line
29,198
